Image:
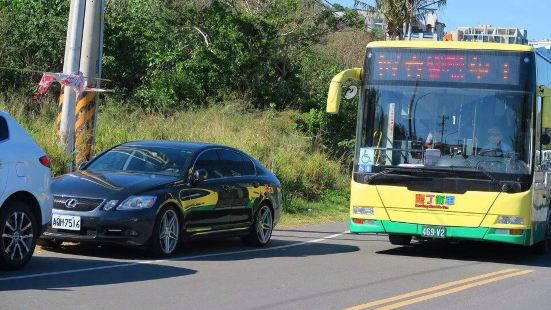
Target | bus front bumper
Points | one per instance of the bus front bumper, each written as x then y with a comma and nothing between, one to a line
452,232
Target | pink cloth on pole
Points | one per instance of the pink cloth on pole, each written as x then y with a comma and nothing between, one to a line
76,81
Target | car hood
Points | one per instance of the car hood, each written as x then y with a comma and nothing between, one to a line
109,185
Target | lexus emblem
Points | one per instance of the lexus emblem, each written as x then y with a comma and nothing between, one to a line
71,203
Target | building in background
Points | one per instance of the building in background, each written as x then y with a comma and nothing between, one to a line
488,33
426,28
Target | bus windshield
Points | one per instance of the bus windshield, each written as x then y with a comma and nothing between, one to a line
456,118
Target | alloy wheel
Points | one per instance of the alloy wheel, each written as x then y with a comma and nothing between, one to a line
264,224
17,236
169,231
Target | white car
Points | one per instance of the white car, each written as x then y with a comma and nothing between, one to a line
25,199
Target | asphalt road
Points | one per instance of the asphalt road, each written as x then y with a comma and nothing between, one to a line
315,267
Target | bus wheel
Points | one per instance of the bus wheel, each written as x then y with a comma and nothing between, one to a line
399,239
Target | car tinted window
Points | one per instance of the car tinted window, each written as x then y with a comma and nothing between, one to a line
115,159
157,160
210,162
236,164
4,132
142,162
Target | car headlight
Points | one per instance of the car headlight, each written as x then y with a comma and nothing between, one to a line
110,205
502,219
362,210
137,203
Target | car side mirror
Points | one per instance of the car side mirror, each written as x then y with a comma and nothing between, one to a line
82,165
199,175
545,139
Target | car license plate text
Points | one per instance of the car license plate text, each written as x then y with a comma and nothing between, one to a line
68,222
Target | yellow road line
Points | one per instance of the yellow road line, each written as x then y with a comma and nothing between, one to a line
453,290
430,289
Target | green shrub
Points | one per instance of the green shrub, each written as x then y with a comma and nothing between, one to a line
306,173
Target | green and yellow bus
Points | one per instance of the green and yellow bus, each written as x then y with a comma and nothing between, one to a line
448,140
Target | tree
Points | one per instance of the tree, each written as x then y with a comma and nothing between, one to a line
399,14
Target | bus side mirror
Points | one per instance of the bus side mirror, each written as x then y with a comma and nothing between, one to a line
335,88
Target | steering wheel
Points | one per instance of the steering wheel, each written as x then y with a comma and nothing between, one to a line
491,152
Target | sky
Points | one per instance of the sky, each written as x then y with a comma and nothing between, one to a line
532,15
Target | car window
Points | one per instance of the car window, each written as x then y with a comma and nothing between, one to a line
4,132
142,159
236,164
210,162
143,162
112,160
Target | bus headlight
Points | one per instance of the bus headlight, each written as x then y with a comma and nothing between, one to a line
502,219
362,210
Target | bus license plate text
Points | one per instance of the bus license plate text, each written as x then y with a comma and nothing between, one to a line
433,232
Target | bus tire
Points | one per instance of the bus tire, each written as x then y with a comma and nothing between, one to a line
399,239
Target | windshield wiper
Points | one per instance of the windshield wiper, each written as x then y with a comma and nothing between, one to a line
484,171
378,174
372,177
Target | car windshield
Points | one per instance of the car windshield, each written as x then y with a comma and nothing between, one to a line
140,159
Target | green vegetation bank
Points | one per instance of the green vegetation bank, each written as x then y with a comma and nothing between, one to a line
250,74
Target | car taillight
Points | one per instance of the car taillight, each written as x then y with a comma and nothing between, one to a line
45,161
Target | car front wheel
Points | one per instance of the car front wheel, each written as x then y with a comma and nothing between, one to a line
166,233
19,230
261,231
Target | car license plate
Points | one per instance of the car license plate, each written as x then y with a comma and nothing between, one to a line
433,232
68,222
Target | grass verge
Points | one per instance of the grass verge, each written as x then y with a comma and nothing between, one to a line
315,186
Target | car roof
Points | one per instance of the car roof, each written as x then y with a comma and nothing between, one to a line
192,146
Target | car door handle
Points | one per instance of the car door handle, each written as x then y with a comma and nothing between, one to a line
226,188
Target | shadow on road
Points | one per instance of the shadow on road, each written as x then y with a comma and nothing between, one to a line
59,281
473,251
354,238
227,249
278,248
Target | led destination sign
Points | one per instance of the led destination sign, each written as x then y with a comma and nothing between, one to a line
446,66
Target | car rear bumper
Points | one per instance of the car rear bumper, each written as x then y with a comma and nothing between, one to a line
452,232
121,227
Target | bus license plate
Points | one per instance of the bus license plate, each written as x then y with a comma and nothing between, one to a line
433,232
68,222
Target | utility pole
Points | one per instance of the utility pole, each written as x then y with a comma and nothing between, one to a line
443,124
70,66
83,52
90,65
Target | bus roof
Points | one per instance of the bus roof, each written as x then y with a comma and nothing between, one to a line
452,45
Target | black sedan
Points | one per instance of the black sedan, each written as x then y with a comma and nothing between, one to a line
158,193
